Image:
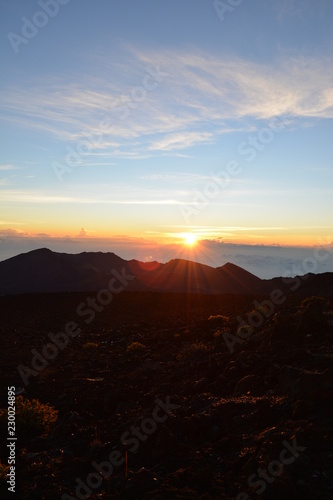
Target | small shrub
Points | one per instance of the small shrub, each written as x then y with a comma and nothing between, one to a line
33,418
90,345
4,470
244,331
136,347
219,333
35,415
264,309
312,300
219,318
193,353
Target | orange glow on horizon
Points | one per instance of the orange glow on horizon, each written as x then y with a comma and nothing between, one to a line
189,240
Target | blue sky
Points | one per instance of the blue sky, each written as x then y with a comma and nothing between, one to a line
130,124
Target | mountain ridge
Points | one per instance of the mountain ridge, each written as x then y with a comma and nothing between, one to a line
45,271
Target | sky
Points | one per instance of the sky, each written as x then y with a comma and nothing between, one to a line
138,127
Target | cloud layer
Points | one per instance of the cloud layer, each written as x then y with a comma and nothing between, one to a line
191,100
263,261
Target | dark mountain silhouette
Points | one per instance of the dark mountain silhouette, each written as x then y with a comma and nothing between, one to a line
44,271
241,279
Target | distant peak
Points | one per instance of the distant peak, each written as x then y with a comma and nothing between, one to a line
230,265
231,268
42,250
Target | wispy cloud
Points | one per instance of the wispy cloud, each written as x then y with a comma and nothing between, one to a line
182,140
123,196
7,222
190,179
8,167
201,97
215,88
130,195
215,229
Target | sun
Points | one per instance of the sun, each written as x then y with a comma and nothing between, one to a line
190,239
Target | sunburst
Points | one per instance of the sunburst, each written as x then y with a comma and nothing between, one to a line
190,239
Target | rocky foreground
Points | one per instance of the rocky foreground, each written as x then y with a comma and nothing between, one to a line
166,396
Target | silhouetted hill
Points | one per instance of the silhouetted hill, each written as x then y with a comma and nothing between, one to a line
308,284
241,279
44,271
